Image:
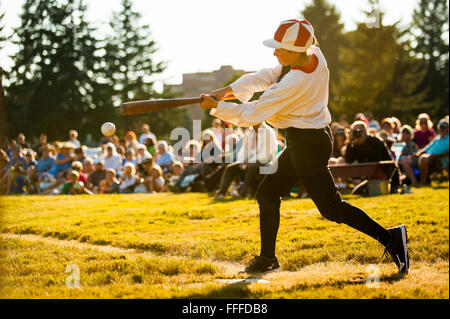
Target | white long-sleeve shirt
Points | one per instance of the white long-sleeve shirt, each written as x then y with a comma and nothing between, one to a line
299,100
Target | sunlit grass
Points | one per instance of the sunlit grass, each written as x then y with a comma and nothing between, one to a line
320,259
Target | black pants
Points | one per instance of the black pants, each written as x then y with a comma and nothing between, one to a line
305,160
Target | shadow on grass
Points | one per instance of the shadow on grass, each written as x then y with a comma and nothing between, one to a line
240,288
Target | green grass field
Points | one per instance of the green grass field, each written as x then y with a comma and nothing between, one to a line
190,246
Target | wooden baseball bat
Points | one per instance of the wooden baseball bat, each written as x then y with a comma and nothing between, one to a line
146,106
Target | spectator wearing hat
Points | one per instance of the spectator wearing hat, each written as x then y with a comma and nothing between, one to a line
388,125
396,126
73,135
110,185
424,132
97,176
29,158
433,157
80,154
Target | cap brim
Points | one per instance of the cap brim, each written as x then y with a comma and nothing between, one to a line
271,43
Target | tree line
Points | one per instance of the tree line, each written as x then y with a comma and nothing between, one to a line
66,75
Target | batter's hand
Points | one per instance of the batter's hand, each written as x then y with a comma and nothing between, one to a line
222,94
208,102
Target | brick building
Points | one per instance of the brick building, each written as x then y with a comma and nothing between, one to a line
202,82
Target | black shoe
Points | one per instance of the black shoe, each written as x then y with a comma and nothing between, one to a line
397,248
261,264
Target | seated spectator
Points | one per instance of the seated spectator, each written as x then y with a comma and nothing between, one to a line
156,183
110,185
73,135
77,166
9,150
388,125
16,156
112,159
207,166
191,151
146,133
373,124
46,161
150,144
142,154
364,148
258,150
434,156
21,141
18,179
130,140
129,180
88,166
396,126
63,159
129,157
29,159
424,132
340,140
164,157
74,186
97,176
407,138
42,142
177,170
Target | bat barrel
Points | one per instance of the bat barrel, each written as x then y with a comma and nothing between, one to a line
146,106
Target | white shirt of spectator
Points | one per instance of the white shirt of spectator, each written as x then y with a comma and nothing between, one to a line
128,181
299,100
144,136
114,162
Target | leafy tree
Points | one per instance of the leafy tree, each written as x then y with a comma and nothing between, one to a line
430,24
130,66
377,73
328,30
54,74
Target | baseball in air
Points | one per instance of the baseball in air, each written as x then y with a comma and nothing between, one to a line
108,129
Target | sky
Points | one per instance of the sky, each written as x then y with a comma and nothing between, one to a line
201,35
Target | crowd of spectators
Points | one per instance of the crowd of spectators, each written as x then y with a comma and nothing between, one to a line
226,160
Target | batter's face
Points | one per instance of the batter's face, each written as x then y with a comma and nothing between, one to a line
286,57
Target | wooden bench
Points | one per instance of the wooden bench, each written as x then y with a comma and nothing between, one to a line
372,170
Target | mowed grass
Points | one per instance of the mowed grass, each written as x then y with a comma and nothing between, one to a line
182,246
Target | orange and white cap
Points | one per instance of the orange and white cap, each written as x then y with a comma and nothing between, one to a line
293,35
